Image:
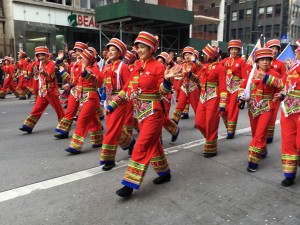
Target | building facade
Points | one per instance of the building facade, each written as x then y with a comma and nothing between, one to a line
278,19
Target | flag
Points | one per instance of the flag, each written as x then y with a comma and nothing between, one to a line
287,53
251,56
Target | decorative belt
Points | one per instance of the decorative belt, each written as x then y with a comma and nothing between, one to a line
294,93
263,97
87,89
149,97
236,78
212,84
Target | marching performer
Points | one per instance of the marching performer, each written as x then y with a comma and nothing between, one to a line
280,68
146,91
262,88
88,82
235,72
290,123
64,126
23,88
116,75
48,91
213,96
9,70
189,92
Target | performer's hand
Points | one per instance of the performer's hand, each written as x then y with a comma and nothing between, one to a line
188,67
170,57
277,96
66,87
258,75
175,71
61,68
60,55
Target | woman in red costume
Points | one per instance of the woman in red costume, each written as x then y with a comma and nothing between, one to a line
88,120
290,123
9,70
213,96
48,91
116,75
235,73
261,88
148,86
64,126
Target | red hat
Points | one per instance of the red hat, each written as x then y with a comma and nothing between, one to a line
129,56
80,45
147,39
71,52
119,45
263,53
22,54
41,50
298,42
210,51
235,44
272,43
87,55
93,50
188,49
8,58
163,55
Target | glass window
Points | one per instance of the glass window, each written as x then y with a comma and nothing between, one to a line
269,11
277,10
276,31
240,33
84,4
55,1
248,14
241,14
247,34
234,16
97,3
233,34
268,31
261,12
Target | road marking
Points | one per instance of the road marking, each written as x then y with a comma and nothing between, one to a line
26,190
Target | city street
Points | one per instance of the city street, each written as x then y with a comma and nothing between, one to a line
42,184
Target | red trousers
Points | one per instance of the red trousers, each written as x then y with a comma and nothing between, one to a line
8,83
40,106
259,127
271,128
207,121
183,99
23,86
114,134
88,120
231,114
148,149
129,119
177,87
290,145
64,125
169,124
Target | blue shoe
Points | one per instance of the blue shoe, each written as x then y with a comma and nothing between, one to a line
184,116
72,151
252,167
26,129
230,136
174,137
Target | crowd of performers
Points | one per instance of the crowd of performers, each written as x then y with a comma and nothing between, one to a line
136,88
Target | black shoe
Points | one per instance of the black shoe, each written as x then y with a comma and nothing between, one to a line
269,140
96,145
251,169
162,179
2,97
230,136
124,192
72,151
25,130
108,166
209,155
174,137
131,147
184,116
22,98
61,136
287,182
29,95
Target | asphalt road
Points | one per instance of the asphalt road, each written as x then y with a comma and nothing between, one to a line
42,184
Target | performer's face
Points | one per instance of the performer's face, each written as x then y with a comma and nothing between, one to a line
187,56
78,52
275,51
113,53
144,51
41,57
297,55
234,52
161,60
264,63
